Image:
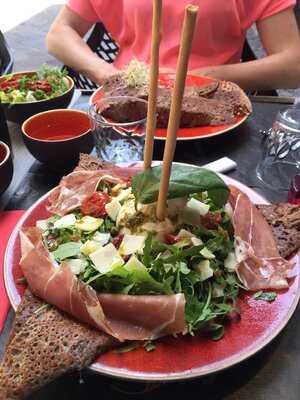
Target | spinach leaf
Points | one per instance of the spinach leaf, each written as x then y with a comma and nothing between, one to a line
66,250
266,296
184,180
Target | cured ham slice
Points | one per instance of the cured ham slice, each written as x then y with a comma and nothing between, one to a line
124,317
261,266
153,316
80,184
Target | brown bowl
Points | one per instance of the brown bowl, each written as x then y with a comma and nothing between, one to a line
6,167
19,112
56,137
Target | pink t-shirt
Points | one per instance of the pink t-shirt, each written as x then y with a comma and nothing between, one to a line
219,35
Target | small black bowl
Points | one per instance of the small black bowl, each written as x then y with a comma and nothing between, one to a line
6,167
57,137
19,112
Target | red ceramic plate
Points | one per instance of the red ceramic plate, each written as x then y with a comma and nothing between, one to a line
200,132
184,357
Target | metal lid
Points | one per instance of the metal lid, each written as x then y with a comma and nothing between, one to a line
290,118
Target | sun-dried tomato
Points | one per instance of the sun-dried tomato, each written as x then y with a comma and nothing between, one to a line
211,220
40,85
170,239
10,84
117,240
94,205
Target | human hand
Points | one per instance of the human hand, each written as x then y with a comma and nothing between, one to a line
204,71
103,72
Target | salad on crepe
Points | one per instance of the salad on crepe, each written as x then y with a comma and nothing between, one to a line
104,257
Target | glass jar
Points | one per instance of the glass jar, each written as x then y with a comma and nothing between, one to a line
119,142
280,162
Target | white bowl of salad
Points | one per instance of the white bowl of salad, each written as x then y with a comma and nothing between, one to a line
23,94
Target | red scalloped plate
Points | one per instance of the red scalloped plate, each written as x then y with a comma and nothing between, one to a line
182,357
200,132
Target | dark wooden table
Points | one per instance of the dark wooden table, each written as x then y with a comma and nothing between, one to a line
272,374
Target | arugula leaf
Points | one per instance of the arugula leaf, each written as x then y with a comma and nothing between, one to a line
149,346
184,180
135,344
216,331
265,296
66,250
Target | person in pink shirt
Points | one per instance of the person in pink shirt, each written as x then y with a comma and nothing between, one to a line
217,46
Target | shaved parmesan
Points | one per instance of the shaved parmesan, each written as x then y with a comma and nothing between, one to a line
196,241
198,206
106,259
132,244
42,224
76,265
101,238
207,253
113,208
65,222
217,291
203,268
90,246
124,194
230,262
89,224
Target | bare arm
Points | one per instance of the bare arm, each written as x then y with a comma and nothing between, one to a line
279,69
65,42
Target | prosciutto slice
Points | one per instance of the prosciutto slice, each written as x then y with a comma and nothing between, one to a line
80,184
124,317
261,266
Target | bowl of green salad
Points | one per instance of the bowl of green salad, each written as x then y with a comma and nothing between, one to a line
23,94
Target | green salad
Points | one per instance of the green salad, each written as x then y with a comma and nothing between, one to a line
46,83
115,244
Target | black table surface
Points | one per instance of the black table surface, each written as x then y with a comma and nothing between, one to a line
272,373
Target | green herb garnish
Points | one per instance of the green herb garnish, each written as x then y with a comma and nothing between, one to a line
265,296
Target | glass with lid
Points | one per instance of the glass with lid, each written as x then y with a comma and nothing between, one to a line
280,163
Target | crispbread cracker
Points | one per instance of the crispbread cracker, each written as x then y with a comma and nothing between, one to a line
45,343
284,219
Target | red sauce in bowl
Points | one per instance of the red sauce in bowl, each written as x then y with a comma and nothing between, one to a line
57,125
3,152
